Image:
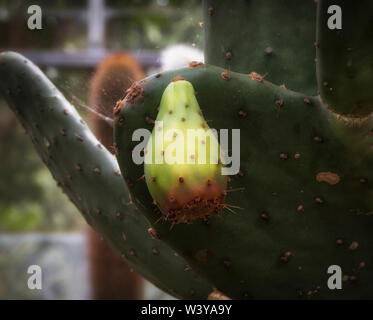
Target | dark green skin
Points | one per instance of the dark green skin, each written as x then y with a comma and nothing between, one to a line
241,253
99,195
345,58
247,28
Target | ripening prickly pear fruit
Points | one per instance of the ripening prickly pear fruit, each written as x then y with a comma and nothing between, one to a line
183,169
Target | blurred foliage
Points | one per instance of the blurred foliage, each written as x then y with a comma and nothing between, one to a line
155,26
24,217
132,24
29,197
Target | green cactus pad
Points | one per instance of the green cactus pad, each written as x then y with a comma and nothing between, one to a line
273,38
90,177
305,189
344,58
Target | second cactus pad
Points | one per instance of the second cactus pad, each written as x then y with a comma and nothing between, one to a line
183,169
304,187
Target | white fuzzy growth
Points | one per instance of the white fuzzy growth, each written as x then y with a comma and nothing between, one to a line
179,56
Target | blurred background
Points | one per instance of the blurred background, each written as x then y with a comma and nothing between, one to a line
92,50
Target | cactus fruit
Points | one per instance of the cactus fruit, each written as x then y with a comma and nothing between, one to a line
90,177
184,177
305,182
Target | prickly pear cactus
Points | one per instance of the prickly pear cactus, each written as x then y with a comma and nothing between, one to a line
302,198
89,175
304,187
